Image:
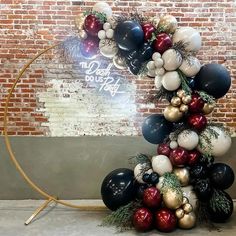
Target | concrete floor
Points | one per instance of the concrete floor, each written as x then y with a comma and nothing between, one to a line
61,221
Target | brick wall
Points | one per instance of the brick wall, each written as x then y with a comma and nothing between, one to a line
53,99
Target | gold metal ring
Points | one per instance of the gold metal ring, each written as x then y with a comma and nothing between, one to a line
12,156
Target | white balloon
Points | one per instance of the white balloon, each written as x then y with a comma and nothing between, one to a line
171,80
151,73
155,56
188,139
189,36
103,7
158,63
119,62
191,195
108,48
173,144
151,65
138,172
159,184
158,82
101,34
218,146
106,26
190,67
160,71
161,164
172,59
109,33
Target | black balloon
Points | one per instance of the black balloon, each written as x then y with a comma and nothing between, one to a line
221,176
118,188
145,52
156,128
203,189
140,190
134,66
129,35
220,215
191,83
199,171
213,79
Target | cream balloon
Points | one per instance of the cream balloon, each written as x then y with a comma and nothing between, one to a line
188,139
171,80
190,194
158,82
218,146
160,183
173,144
138,172
161,164
190,67
189,36
172,59
108,48
119,62
103,7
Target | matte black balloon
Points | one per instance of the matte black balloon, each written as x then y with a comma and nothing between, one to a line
134,66
129,35
213,79
145,52
203,189
221,176
191,83
220,215
156,128
199,171
118,188
140,190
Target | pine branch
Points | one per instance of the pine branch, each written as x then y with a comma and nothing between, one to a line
162,93
184,84
206,97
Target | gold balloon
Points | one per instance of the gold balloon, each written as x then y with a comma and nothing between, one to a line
186,99
82,34
168,23
185,200
172,113
175,101
154,21
179,213
172,199
187,208
183,108
208,108
79,21
181,93
183,176
188,221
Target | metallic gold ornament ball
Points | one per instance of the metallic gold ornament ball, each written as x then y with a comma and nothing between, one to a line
186,99
179,213
172,113
175,101
168,23
183,108
187,208
208,108
188,221
172,199
182,175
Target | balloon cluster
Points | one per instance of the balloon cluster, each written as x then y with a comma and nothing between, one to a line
167,185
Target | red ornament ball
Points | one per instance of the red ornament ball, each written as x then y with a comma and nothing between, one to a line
89,47
152,197
164,149
148,30
143,219
165,220
193,157
196,104
197,121
178,156
92,25
162,43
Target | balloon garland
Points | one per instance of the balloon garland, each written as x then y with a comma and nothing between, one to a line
181,183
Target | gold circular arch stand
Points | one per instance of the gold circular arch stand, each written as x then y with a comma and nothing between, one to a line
49,197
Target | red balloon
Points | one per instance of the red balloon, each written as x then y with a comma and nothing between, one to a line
196,103
193,157
163,149
178,156
148,30
142,219
197,121
89,47
152,197
165,220
162,43
92,25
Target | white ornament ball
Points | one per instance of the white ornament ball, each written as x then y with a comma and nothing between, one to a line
158,62
158,82
110,33
161,164
106,26
138,172
103,7
101,34
173,144
218,146
171,80
172,59
151,73
155,56
190,67
188,139
108,48
151,65
190,194
188,36
160,71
